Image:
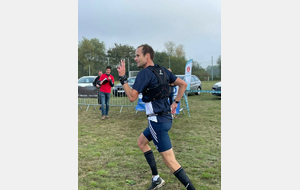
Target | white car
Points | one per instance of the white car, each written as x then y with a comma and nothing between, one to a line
86,81
86,87
216,87
195,84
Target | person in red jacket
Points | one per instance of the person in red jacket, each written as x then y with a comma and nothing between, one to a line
107,81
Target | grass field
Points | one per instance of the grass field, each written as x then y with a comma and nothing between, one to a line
109,158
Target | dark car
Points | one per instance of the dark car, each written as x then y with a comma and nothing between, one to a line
194,85
118,89
216,87
86,89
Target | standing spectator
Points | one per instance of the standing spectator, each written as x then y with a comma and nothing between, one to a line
171,97
107,81
96,83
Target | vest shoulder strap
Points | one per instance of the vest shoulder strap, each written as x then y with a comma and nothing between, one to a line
160,74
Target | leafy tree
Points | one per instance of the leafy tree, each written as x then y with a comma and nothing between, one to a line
170,48
161,58
199,71
91,54
119,52
173,50
81,71
179,51
178,65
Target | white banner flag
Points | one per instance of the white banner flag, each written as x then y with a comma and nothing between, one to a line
188,73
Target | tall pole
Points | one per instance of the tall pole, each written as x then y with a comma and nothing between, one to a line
89,70
212,69
108,61
128,66
169,63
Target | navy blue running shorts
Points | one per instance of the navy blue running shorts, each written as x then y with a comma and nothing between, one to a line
158,132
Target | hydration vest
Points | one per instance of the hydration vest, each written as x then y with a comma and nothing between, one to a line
162,89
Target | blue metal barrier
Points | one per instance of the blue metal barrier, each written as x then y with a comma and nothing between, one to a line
205,91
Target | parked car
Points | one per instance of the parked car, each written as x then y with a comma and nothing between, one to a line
86,81
118,89
86,87
194,85
216,87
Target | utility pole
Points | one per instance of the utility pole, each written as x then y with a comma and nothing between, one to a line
212,69
128,66
169,63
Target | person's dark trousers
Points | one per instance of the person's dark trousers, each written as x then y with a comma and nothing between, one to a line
99,99
105,101
184,179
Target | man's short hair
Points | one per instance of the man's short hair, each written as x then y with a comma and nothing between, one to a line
147,49
108,67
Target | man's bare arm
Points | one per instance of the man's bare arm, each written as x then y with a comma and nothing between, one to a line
182,86
131,93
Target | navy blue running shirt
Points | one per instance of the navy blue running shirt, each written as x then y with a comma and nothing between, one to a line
147,79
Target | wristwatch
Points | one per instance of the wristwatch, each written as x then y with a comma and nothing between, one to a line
176,101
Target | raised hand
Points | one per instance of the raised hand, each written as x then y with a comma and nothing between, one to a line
121,69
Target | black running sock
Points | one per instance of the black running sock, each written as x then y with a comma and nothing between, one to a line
184,179
151,161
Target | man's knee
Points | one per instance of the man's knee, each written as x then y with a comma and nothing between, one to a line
142,141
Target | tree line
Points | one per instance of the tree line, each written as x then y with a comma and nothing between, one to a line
93,56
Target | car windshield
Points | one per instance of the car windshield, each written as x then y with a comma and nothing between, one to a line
86,80
196,78
131,80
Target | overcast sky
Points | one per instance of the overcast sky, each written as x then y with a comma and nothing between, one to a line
194,24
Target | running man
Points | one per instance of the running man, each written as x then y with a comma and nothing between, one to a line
150,81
